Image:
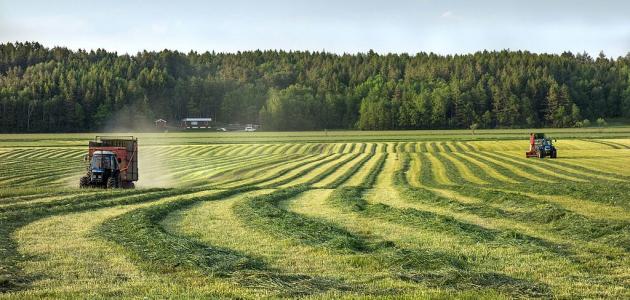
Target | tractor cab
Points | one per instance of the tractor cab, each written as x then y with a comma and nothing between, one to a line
103,165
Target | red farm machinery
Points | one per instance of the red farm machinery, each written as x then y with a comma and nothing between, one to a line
113,162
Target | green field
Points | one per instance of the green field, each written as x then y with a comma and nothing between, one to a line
406,214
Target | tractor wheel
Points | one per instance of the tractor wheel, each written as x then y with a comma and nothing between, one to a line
541,154
111,183
554,154
84,182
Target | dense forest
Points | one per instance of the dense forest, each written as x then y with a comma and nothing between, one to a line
60,90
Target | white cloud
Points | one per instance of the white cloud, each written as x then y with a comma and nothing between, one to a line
447,14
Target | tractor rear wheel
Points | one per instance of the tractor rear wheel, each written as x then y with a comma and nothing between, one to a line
554,154
111,183
84,182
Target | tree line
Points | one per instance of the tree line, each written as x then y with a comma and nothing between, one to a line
59,90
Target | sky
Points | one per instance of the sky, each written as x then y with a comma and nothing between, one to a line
397,26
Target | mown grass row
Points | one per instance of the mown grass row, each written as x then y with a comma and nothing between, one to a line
159,251
420,266
579,237
11,277
474,211
499,204
446,269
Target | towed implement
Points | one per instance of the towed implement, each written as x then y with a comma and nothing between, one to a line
113,162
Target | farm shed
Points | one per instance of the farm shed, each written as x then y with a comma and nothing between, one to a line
196,123
160,123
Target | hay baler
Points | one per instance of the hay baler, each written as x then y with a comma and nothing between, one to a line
113,162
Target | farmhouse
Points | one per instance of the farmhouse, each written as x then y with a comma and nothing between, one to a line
191,123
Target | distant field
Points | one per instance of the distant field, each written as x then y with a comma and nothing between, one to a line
332,214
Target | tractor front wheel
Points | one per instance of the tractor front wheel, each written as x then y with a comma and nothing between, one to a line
84,182
554,154
541,154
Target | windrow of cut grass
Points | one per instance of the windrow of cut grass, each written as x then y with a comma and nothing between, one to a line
582,238
346,173
16,217
73,262
319,218
264,213
408,256
591,187
272,172
323,172
301,171
140,232
522,207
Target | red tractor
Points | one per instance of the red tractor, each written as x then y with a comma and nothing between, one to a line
113,162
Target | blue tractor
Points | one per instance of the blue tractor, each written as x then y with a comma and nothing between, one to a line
541,146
